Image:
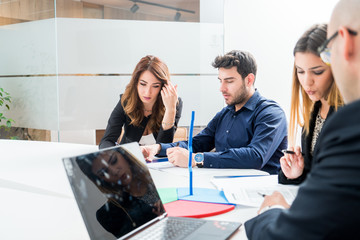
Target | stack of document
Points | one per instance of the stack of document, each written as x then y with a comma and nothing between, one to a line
248,191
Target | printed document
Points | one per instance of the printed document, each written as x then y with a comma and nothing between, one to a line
248,191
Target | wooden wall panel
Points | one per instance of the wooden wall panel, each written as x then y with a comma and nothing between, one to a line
27,10
69,9
117,13
93,11
30,10
7,21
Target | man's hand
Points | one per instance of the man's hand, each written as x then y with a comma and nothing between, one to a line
150,151
179,156
274,199
292,165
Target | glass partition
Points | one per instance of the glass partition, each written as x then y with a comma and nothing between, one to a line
28,68
65,63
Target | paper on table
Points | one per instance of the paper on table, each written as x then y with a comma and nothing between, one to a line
183,208
160,165
245,182
251,197
212,171
202,195
245,191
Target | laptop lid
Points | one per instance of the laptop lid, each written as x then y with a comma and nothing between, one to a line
114,191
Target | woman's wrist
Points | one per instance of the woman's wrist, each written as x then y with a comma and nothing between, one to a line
168,120
170,111
167,124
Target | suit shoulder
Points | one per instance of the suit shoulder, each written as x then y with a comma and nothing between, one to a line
345,117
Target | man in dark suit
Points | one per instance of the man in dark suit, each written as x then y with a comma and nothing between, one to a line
328,203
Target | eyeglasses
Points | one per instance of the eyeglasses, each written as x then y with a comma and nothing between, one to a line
324,51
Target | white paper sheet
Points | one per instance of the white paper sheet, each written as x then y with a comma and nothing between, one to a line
251,196
160,165
168,167
246,191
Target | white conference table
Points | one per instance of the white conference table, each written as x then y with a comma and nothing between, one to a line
37,200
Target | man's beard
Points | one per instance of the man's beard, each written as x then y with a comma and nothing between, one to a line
240,98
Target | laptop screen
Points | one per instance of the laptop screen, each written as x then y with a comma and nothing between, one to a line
114,191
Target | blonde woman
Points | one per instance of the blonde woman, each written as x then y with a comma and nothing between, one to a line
315,97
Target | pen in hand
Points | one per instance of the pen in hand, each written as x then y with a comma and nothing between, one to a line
261,194
288,151
285,151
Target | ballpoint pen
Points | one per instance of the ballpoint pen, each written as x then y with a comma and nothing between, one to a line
289,152
261,194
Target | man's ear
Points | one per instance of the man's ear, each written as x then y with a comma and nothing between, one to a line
250,78
347,42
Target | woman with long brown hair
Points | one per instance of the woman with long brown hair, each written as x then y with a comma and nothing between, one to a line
315,97
149,110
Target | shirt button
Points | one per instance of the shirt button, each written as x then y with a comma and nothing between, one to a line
227,131
210,165
233,116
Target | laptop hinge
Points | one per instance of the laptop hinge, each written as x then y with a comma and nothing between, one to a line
137,230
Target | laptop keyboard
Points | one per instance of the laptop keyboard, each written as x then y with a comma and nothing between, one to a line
170,228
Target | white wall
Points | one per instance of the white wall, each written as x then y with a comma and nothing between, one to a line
269,30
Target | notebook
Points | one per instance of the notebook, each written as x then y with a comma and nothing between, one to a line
118,199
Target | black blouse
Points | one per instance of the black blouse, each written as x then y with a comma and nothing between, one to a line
305,148
119,119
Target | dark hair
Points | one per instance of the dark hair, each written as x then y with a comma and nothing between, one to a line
311,39
243,61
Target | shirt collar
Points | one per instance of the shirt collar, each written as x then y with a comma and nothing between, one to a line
250,104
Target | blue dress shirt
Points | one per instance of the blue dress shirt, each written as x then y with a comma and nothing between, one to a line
252,137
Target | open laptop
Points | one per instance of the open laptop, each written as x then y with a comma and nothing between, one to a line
118,199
